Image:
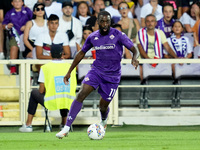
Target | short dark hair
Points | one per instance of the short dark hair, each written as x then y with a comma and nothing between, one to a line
87,27
167,4
117,26
53,17
104,13
150,15
56,50
36,6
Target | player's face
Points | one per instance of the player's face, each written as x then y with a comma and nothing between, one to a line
67,11
86,33
168,13
17,4
53,25
123,9
150,22
177,28
47,2
104,22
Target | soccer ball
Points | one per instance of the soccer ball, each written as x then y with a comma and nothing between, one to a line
96,131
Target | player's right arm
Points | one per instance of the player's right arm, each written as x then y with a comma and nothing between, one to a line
79,56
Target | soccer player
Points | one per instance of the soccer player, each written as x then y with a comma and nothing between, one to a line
105,72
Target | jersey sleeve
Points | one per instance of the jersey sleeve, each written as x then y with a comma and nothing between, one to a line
87,45
125,40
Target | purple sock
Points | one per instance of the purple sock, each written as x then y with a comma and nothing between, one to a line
105,114
74,110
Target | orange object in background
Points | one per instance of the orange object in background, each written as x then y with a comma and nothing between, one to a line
94,54
1,113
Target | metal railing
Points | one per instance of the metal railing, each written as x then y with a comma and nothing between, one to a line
25,87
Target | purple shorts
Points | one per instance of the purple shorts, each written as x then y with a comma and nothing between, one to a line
106,89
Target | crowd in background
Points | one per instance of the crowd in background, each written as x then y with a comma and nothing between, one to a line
32,26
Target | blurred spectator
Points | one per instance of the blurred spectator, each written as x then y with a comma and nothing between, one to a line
151,8
14,22
37,25
178,42
70,26
5,6
196,31
150,41
131,6
176,4
98,5
52,7
83,12
30,3
129,26
138,6
52,36
113,10
126,52
165,24
189,18
50,76
87,30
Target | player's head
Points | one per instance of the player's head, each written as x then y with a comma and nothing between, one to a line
168,11
104,21
53,23
56,51
150,22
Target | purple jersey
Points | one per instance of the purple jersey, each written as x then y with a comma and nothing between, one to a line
18,19
109,50
166,28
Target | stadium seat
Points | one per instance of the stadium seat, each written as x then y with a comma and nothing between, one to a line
130,96
160,75
188,74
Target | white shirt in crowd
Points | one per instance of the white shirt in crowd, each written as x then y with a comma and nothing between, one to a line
179,41
44,40
186,19
30,3
76,28
83,19
147,9
55,8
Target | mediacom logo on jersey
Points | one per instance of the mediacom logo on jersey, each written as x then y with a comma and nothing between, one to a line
106,46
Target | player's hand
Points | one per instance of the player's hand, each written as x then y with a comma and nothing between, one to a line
66,78
135,63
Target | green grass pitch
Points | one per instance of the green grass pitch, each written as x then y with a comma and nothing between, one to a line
117,138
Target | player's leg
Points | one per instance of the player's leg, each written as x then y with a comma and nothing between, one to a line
75,109
104,110
107,91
